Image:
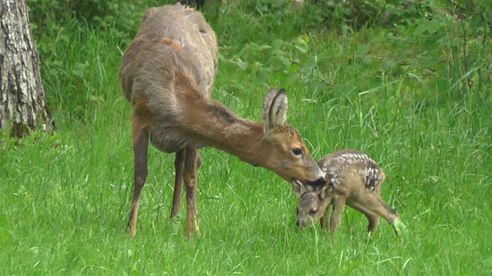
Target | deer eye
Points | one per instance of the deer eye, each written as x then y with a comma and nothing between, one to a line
313,211
298,152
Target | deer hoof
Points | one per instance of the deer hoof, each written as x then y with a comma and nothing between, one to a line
400,227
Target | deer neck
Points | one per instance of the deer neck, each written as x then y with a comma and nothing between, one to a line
212,124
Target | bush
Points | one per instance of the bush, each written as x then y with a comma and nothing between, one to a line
122,16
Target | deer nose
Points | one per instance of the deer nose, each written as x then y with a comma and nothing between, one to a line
318,182
320,174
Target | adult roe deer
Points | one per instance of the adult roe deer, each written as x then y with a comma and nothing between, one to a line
352,178
167,74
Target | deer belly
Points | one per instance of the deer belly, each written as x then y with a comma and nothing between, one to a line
166,140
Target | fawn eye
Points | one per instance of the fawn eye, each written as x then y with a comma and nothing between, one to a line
313,211
298,152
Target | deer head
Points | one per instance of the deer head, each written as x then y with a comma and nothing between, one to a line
286,153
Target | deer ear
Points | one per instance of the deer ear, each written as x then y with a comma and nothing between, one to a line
275,109
297,188
267,103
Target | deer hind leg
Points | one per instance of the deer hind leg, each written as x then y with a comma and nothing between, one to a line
179,163
393,218
140,147
373,224
192,163
372,204
372,217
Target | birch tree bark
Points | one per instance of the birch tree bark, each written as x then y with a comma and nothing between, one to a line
22,98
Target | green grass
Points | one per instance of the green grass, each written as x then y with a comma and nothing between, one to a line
65,198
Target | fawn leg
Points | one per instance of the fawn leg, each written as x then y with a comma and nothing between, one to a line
373,224
336,216
394,219
324,221
192,162
372,217
179,163
372,204
140,147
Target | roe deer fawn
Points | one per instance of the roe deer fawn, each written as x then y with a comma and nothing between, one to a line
167,74
353,178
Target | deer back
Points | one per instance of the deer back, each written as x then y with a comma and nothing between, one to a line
351,170
172,39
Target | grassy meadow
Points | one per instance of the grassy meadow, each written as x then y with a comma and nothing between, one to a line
415,96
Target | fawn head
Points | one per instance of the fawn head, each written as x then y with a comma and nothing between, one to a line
286,153
312,203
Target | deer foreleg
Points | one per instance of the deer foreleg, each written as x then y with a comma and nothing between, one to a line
140,146
179,163
192,162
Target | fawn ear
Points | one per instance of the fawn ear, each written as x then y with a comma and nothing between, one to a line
275,109
298,188
325,189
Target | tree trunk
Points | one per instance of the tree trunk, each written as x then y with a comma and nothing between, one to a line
22,99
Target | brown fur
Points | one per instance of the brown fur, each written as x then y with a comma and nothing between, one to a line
167,74
142,118
353,178
176,45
